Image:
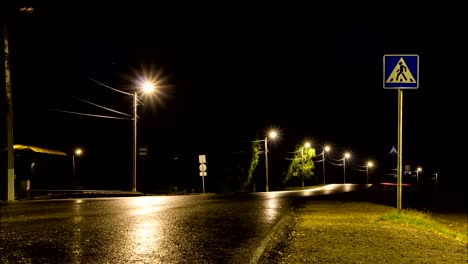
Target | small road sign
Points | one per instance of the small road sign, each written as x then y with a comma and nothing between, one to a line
201,158
202,161
143,151
393,150
203,167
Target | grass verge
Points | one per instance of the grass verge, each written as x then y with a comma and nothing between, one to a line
424,220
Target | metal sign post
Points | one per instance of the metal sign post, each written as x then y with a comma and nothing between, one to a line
400,148
202,167
403,73
143,153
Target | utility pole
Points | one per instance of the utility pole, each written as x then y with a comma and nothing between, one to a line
302,165
9,115
9,103
266,163
135,116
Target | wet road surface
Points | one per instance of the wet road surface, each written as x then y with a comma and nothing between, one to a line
149,229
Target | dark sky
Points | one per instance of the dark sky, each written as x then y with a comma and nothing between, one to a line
232,72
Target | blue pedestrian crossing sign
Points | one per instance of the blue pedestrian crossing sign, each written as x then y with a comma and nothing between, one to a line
393,150
401,71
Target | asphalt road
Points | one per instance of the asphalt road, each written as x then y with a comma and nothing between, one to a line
230,228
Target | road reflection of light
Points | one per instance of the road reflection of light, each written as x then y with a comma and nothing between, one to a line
147,205
334,188
271,208
145,230
273,194
348,187
146,235
330,187
77,243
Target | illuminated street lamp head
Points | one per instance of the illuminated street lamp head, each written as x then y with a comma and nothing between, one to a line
327,148
78,151
347,155
307,145
419,169
370,164
148,87
272,134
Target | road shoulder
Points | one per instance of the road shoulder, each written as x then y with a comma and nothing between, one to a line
351,232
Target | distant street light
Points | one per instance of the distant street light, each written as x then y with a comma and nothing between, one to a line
369,165
326,149
77,152
419,169
306,145
272,135
346,156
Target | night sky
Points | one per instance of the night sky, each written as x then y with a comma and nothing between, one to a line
230,73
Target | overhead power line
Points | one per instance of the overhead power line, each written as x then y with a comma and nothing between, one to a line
85,114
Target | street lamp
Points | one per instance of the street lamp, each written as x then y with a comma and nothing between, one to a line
147,87
77,152
306,145
326,149
272,135
369,164
346,156
419,169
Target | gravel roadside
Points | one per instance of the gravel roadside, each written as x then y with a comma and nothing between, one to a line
332,231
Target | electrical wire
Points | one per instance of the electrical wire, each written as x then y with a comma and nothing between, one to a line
112,110
107,86
102,116
359,170
336,164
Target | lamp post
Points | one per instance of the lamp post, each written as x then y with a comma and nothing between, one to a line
369,164
9,104
272,135
306,145
417,175
147,87
346,156
327,148
134,160
77,152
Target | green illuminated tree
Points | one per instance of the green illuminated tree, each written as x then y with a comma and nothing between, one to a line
302,164
255,149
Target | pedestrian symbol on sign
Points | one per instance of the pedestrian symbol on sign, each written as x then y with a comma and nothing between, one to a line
401,74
